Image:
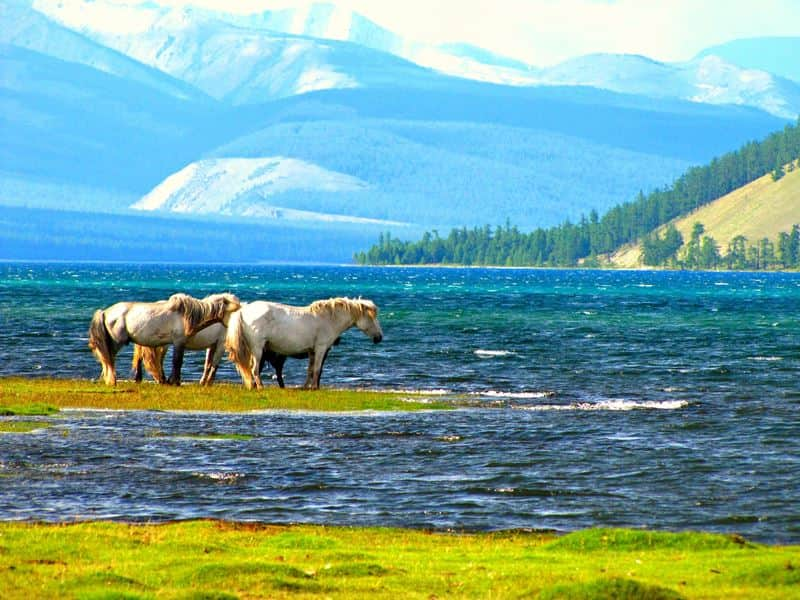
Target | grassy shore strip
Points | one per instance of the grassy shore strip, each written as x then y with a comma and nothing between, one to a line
214,559
22,426
27,396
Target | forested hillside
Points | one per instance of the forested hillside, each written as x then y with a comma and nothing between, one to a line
569,243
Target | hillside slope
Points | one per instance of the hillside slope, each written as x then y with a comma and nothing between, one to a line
762,208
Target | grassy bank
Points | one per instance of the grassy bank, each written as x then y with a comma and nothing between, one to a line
210,559
20,396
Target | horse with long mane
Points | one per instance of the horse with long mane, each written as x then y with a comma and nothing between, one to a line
285,330
155,324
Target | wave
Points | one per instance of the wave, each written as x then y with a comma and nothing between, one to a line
515,395
765,358
221,477
493,353
421,392
609,405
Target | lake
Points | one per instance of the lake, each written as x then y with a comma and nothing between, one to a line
599,398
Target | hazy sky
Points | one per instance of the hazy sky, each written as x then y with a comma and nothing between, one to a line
543,32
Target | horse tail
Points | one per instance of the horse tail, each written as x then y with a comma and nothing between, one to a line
102,346
239,349
153,360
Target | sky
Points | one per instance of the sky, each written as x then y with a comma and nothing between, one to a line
545,32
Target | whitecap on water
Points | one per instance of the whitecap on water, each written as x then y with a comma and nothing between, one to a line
223,477
492,353
765,358
515,395
436,392
610,405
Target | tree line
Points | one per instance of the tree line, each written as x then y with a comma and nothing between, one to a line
567,244
703,251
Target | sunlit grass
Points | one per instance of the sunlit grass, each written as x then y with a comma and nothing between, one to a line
210,559
49,394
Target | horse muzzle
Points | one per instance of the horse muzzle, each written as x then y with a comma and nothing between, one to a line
377,339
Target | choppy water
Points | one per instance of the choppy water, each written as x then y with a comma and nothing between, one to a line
666,400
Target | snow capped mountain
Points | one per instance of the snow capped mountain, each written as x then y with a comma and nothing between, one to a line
231,61
27,28
144,30
777,55
708,80
246,187
327,21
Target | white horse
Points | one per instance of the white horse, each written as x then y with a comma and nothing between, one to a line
211,339
160,323
295,330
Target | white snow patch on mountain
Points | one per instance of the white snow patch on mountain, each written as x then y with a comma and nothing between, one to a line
242,187
709,80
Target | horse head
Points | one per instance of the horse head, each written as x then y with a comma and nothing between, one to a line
367,319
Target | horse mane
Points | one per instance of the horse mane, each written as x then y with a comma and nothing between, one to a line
357,307
197,313
239,349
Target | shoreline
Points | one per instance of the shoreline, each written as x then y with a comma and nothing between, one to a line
20,396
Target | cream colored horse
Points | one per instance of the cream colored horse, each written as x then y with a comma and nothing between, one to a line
160,323
294,330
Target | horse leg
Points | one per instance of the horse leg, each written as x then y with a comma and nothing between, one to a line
318,375
219,348
310,372
256,364
138,374
207,365
277,363
109,365
177,363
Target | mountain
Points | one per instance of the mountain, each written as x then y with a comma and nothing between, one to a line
145,40
249,187
478,153
709,79
251,127
762,208
65,121
241,65
26,28
776,55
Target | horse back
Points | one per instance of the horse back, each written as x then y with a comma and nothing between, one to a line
283,328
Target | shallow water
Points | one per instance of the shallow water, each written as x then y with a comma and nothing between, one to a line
600,398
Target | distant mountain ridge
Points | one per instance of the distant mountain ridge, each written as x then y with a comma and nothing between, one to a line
160,33
776,55
240,65
25,28
709,79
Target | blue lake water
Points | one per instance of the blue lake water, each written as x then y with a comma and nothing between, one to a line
663,400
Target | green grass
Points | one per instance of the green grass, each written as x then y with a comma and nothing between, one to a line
49,395
213,559
22,426
28,410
